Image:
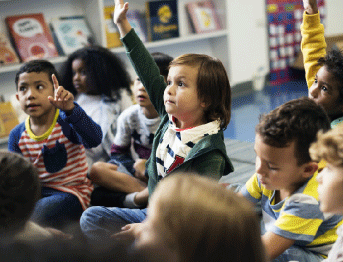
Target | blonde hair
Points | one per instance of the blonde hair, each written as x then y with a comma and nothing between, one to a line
329,147
205,221
213,86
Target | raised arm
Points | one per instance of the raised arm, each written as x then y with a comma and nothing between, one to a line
313,44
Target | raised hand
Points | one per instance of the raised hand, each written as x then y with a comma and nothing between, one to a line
310,6
119,17
63,99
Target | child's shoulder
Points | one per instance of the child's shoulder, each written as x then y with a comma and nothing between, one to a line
18,130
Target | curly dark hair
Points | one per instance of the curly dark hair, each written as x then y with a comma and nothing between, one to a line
297,120
333,62
106,73
19,191
37,66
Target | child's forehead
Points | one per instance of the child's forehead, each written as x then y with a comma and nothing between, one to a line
34,77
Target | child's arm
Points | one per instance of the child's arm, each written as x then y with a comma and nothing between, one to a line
313,42
275,245
145,66
89,133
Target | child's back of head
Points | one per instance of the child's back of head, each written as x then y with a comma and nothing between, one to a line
163,61
19,191
298,121
105,73
204,221
213,86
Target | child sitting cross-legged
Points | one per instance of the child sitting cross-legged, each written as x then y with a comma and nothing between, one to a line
330,148
54,138
125,173
285,183
194,106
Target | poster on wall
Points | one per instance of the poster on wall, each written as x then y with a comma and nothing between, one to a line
284,20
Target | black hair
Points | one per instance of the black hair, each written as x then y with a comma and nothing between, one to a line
333,62
37,66
19,191
106,73
162,60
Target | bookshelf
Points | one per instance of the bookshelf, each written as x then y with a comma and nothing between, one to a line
227,44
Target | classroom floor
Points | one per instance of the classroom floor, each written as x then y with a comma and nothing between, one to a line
240,134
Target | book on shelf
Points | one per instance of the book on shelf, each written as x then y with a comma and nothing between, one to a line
162,19
138,22
203,16
70,33
31,36
111,30
7,52
8,118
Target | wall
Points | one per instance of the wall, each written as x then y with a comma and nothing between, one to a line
334,21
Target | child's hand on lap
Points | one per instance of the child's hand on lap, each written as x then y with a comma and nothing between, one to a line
63,99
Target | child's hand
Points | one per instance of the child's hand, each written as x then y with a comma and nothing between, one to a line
62,99
120,11
119,17
139,167
129,232
310,6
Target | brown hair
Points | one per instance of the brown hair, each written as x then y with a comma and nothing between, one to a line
329,147
19,191
297,120
212,84
207,222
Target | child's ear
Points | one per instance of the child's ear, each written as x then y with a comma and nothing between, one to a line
17,96
309,169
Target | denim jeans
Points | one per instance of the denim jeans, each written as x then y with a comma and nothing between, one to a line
99,223
56,209
298,254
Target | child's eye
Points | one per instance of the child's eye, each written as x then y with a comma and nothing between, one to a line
324,88
40,87
315,80
83,72
181,84
22,88
168,83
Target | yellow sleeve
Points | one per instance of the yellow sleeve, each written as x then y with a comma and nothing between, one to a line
313,45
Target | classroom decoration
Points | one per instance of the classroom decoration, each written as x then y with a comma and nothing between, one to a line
162,19
7,52
111,30
203,16
70,33
284,20
8,118
31,36
138,23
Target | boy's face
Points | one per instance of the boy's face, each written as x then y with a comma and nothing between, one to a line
277,168
32,93
325,92
141,96
181,94
79,76
330,189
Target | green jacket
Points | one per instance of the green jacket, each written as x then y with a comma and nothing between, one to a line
208,157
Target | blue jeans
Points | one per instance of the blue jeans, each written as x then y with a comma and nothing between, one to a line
295,253
99,223
56,209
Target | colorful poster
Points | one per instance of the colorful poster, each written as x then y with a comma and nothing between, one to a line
284,20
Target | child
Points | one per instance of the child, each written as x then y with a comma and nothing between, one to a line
324,73
330,148
285,183
192,218
54,138
194,107
101,85
19,190
122,174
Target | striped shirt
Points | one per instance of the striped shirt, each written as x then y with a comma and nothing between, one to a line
59,154
297,217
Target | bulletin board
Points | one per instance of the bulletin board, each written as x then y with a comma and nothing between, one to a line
284,20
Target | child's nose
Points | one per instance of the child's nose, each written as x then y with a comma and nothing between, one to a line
259,167
30,92
314,90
